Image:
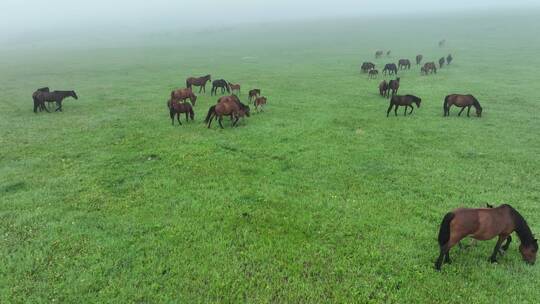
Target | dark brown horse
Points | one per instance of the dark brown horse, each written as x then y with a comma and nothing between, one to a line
383,88
405,101
485,224
430,67
56,96
220,84
442,43
441,62
37,105
419,59
176,108
461,101
449,59
393,86
183,94
198,82
373,74
404,64
390,68
227,106
254,94
259,103
234,88
423,71
367,66
378,54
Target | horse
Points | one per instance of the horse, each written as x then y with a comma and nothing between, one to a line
406,101
234,87
367,66
37,105
388,53
441,62
462,101
423,71
394,86
442,43
404,64
183,94
176,107
485,224
254,94
390,68
378,54
198,82
259,103
220,83
227,106
55,96
383,88
449,59
430,67
419,59
373,74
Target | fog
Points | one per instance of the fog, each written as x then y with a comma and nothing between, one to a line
20,17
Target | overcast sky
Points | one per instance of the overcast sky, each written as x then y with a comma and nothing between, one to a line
28,15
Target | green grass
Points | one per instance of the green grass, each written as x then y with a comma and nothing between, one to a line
319,199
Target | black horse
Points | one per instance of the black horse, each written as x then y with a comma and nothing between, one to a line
367,66
441,62
37,105
390,68
220,83
449,59
393,86
56,96
406,101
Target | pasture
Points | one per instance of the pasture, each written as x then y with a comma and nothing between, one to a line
320,198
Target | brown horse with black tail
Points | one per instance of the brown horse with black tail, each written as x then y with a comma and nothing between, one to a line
405,101
198,82
462,101
235,88
183,94
485,224
227,106
176,108
41,97
393,86
383,88
254,94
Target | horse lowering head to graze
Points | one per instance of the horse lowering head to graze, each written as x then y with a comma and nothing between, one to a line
419,59
373,74
183,94
378,54
461,101
449,59
406,101
404,64
254,93
390,68
383,88
227,106
198,82
367,66
56,96
441,62
220,83
430,67
235,88
176,108
393,86
485,224
260,102
423,71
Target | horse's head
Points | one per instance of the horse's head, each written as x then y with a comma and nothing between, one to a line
245,109
479,111
528,252
74,95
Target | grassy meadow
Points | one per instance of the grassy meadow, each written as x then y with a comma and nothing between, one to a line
319,199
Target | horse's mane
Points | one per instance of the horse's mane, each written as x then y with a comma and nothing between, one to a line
521,226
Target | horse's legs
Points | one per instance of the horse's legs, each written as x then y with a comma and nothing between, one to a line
219,120
468,110
178,118
442,254
462,109
171,113
505,246
412,109
395,110
493,257
59,105
389,109
405,112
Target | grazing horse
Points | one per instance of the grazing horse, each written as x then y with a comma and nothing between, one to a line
55,96
254,94
404,64
259,103
406,101
485,224
390,68
176,107
441,62
383,88
388,53
234,88
220,83
227,106
378,54
419,59
373,74
442,43
462,101
393,85
423,71
198,82
38,105
183,94
367,66
449,59
430,67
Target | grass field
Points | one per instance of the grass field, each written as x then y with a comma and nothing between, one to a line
319,199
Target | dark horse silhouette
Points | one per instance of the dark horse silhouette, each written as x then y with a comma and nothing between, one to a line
176,107
227,106
220,83
198,82
404,64
485,224
406,101
419,59
441,62
462,101
367,66
56,96
373,74
37,105
390,68
449,59
393,86
378,54
383,88
254,94
430,67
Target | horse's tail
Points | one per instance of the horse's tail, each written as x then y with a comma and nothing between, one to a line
445,104
211,111
444,230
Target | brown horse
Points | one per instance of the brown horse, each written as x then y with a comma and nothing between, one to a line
259,103
227,106
176,107
383,88
430,67
378,54
404,64
183,94
419,59
367,66
254,94
373,74
485,224
198,82
235,88
461,101
406,101
393,86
